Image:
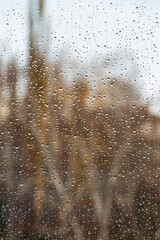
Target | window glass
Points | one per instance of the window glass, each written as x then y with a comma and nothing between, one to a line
79,120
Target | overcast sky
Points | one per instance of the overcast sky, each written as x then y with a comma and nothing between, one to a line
125,30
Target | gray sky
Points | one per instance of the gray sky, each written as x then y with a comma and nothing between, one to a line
127,30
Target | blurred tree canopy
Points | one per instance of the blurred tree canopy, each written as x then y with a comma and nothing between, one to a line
77,162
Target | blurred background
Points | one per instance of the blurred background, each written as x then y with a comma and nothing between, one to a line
79,120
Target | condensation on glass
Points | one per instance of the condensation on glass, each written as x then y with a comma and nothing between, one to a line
79,120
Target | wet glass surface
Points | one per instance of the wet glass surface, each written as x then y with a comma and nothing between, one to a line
79,120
